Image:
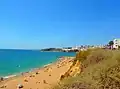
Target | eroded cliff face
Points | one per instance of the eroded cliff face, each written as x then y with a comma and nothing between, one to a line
73,70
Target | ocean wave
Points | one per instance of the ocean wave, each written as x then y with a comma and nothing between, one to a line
10,76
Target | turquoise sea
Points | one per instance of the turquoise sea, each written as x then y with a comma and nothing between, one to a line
17,61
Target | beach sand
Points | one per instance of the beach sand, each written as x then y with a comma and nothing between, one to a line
41,78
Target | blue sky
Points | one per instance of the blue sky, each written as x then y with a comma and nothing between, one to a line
35,24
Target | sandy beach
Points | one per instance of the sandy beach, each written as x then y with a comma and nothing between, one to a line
41,78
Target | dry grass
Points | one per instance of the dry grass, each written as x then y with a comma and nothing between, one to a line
102,71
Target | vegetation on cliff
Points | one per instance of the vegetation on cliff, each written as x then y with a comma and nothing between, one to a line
100,70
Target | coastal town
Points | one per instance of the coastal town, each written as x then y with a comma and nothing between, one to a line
114,44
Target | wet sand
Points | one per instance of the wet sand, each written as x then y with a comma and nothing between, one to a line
41,78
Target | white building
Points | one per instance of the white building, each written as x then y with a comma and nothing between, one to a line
116,44
75,48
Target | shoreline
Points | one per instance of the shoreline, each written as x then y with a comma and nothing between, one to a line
41,77
5,78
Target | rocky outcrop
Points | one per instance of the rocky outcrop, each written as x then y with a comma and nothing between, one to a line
73,70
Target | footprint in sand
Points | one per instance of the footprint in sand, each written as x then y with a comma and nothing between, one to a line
49,74
37,73
44,81
3,86
37,82
32,76
25,80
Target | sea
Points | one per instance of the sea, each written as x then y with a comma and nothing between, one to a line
13,62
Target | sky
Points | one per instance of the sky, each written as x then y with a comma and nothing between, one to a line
36,24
